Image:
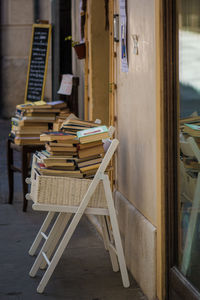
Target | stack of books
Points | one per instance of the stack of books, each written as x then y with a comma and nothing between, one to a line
63,115
72,155
90,149
59,158
192,129
72,125
31,120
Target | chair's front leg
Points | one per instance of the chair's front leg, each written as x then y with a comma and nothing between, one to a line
57,235
43,229
108,244
48,243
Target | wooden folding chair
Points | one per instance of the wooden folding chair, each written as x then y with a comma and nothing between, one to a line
56,242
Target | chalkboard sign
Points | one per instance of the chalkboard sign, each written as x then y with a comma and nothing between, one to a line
38,60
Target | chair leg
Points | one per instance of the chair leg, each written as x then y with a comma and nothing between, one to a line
104,231
55,240
43,228
107,242
66,238
24,168
116,233
62,218
10,171
63,244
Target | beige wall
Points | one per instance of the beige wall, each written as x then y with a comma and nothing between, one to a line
136,110
16,28
136,156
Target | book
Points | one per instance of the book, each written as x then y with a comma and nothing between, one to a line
60,155
91,167
71,132
52,162
56,135
41,155
192,129
79,122
89,162
27,141
42,104
63,143
62,168
191,164
67,157
39,114
42,165
93,134
60,148
43,110
41,119
26,129
25,134
57,104
89,145
89,173
21,122
51,172
63,153
192,119
74,127
90,151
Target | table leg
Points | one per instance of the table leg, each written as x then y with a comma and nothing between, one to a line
24,168
10,171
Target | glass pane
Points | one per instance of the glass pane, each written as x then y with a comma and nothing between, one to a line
189,80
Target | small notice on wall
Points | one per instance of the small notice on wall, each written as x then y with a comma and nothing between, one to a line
66,85
123,37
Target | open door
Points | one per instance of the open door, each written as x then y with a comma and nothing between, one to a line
97,62
181,32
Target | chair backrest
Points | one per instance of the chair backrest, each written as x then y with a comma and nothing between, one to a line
109,153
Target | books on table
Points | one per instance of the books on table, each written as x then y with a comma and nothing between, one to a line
31,119
42,105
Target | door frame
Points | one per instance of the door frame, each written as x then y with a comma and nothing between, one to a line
178,287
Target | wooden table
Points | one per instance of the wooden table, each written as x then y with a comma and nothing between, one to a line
25,151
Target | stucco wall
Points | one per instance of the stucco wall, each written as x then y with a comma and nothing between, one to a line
17,18
136,111
136,155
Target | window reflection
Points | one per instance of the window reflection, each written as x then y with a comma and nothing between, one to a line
189,80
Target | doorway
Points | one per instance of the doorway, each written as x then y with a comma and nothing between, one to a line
97,62
181,107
